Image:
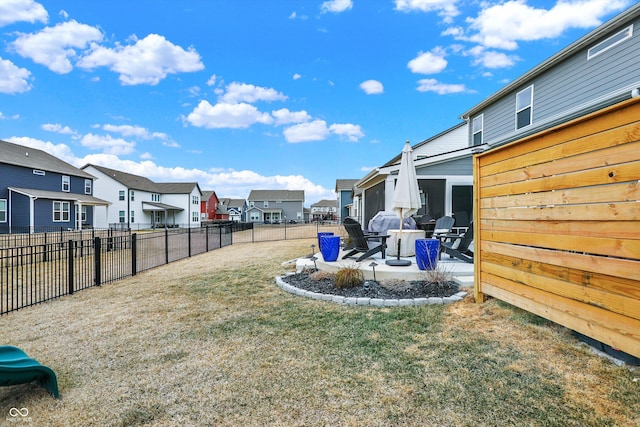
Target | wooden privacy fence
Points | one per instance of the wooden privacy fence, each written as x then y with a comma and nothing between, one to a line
557,227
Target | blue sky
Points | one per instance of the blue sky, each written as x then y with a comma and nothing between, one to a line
263,94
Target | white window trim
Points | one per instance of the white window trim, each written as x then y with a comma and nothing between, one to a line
4,201
66,182
122,195
62,204
88,184
598,49
529,105
122,216
481,131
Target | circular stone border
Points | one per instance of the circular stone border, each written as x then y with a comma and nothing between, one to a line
377,302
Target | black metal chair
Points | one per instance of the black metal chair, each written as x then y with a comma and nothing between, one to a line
367,244
458,245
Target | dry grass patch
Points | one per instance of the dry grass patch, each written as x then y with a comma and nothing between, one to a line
211,340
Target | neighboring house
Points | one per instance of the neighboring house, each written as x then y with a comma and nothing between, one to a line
444,170
236,208
212,208
598,70
344,190
39,192
324,210
208,206
355,209
138,202
275,206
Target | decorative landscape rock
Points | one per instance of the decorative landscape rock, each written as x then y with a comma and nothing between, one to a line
373,293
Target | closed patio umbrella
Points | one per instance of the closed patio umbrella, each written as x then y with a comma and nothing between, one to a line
406,196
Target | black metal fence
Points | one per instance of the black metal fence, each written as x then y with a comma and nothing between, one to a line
31,274
35,268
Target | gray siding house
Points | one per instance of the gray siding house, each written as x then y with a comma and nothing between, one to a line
444,170
598,70
39,192
344,190
274,206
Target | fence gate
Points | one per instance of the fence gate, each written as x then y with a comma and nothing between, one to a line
557,226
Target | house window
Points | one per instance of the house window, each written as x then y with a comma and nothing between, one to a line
87,186
477,127
612,41
155,197
38,172
133,195
66,183
195,216
251,204
121,217
121,195
266,204
61,211
524,107
133,217
254,216
83,214
3,210
194,200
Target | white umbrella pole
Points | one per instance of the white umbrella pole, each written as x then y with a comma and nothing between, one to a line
400,237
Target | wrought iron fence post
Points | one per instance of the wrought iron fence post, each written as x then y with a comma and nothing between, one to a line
44,249
206,237
70,265
96,260
189,239
166,245
134,254
219,237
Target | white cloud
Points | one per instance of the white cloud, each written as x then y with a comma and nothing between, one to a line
243,92
367,168
372,87
297,76
236,184
492,59
503,25
212,80
54,47
352,132
148,61
137,131
22,11
312,131
428,62
432,85
224,115
285,117
336,6
107,144
58,128
14,117
445,8
13,79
